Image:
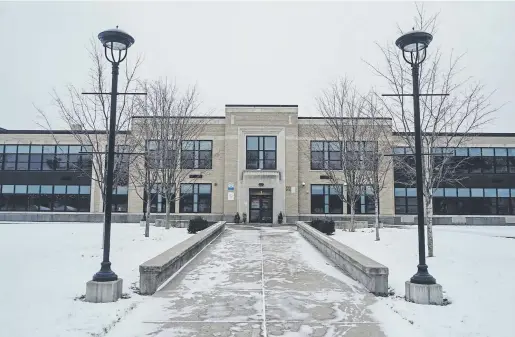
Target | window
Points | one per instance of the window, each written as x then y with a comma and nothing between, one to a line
158,201
365,203
44,157
196,154
325,199
120,199
474,201
41,198
195,198
326,155
261,152
405,200
121,166
399,150
360,154
153,157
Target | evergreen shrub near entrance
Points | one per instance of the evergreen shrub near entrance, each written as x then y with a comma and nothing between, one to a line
323,225
197,224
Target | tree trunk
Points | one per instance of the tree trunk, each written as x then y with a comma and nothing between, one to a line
167,218
352,222
376,206
147,223
429,222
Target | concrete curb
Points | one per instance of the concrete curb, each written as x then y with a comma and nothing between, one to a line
372,274
157,270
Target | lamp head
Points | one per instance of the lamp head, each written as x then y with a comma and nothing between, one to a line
414,41
116,39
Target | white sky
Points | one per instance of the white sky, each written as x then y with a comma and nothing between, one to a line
242,53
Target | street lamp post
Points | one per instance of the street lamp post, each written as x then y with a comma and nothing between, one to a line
115,42
422,287
414,44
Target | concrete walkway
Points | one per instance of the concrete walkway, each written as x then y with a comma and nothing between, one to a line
255,282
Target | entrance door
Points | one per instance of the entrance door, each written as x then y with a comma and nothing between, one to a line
261,205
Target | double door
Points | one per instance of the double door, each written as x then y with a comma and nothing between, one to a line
261,205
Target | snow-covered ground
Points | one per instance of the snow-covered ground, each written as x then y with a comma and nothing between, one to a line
474,265
46,265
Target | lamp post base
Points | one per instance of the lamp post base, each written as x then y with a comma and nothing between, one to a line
422,276
104,292
424,293
105,274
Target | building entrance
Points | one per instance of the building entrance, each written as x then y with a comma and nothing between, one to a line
261,205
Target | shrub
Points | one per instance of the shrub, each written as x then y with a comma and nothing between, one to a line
237,218
197,224
244,217
280,218
324,226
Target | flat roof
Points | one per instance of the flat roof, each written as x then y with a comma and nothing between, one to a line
462,134
54,132
305,117
261,106
193,117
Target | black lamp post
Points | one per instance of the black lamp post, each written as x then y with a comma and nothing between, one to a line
413,46
115,42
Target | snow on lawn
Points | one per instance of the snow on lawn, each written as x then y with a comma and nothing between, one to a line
474,265
46,266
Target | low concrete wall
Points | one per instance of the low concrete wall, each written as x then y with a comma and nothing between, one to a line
400,220
154,272
373,275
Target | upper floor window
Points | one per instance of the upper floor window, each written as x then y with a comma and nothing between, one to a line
476,159
261,152
162,154
121,164
360,154
326,155
33,157
196,154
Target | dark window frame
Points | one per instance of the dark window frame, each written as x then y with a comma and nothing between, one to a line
185,201
24,198
326,154
365,204
360,153
405,203
196,155
261,153
158,201
35,158
328,200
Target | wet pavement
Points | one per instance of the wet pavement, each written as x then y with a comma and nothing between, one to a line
255,282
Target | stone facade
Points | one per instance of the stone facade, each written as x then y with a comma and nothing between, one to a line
232,183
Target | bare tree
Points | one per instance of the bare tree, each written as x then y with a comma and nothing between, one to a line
87,118
378,166
446,121
143,175
173,123
344,137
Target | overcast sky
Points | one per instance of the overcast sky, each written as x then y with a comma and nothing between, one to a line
242,53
